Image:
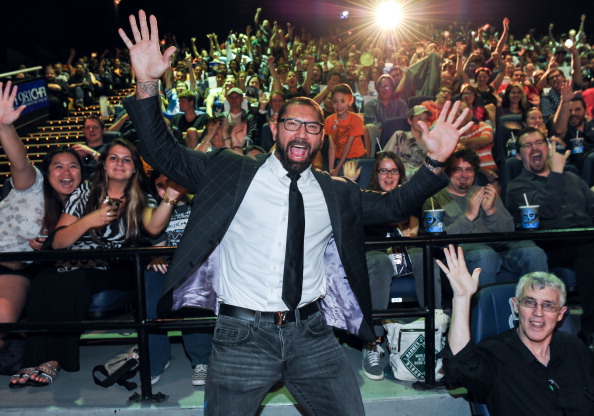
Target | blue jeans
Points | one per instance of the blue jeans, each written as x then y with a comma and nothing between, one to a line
249,358
197,344
519,257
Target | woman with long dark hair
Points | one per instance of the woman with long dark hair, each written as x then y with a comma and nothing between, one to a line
32,207
110,211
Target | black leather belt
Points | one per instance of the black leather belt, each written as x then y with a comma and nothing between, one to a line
277,318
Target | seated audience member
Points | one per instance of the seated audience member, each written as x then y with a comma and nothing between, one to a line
407,145
31,208
268,113
81,87
444,94
385,106
293,89
345,130
93,130
212,137
57,94
109,212
481,112
215,101
531,366
188,121
570,122
470,209
479,138
565,202
363,92
484,88
197,343
387,174
533,118
241,124
514,100
549,101
334,78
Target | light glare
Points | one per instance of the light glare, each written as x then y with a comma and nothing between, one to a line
388,14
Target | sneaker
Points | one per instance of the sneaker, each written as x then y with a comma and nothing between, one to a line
372,354
156,378
199,376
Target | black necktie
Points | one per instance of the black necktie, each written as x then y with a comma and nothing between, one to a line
293,275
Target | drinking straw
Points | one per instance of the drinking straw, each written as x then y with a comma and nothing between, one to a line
526,199
432,206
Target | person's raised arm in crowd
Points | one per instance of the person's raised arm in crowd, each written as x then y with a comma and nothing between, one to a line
464,285
576,66
190,70
309,77
543,81
277,85
21,170
248,42
504,35
562,114
581,35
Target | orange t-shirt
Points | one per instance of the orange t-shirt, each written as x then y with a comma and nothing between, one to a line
340,131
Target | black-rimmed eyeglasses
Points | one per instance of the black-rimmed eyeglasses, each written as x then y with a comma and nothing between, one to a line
292,124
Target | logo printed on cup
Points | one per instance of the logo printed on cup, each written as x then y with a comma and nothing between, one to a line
530,216
434,220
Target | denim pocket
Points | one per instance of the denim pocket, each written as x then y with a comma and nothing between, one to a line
231,332
317,326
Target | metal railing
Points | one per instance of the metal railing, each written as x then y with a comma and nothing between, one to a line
144,326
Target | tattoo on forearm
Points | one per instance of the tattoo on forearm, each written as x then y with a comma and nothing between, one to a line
147,89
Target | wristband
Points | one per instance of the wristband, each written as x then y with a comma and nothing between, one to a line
168,201
434,163
226,138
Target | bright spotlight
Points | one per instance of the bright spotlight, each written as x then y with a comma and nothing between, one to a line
388,14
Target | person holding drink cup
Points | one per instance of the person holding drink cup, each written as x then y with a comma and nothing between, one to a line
564,201
470,209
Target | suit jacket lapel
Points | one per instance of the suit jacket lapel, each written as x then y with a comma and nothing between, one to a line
329,190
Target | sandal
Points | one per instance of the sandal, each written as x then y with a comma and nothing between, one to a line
23,374
47,371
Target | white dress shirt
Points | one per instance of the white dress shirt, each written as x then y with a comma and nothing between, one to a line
253,249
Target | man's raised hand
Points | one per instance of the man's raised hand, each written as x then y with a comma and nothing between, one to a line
147,60
441,141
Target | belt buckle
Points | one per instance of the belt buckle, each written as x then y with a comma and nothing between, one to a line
282,316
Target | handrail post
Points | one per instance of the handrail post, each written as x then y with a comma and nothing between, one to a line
429,290
143,347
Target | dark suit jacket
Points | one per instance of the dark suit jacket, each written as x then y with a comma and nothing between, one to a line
220,180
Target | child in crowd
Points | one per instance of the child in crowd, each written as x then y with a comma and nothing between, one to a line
345,129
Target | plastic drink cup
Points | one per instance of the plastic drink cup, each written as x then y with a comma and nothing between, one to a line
434,220
530,217
577,145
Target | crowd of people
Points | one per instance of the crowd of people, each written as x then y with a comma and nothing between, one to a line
278,91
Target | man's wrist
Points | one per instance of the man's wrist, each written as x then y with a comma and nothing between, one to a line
434,162
145,89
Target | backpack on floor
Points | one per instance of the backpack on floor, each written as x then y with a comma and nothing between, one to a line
119,369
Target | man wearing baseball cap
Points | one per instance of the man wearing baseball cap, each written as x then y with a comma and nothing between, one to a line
407,144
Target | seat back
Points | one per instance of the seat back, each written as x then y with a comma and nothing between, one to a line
391,126
419,99
509,169
588,168
366,165
502,135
